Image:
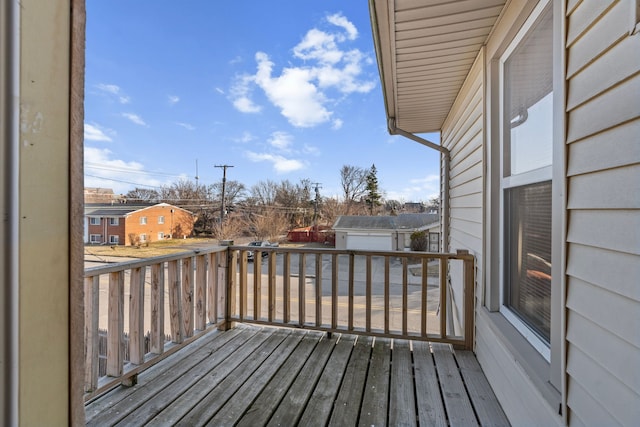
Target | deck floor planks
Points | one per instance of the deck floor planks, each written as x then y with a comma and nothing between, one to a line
122,401
346,408
402,409
273,376
271,397
204,375
456,401
429,401
281,372
484,400
206,408
320,403
376,393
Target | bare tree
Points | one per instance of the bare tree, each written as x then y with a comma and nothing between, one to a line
354,184
234,192
264,193
268,226
143,195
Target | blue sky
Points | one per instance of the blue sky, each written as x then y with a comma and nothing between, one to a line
278,89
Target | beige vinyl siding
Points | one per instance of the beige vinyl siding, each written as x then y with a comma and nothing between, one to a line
603,215
462,134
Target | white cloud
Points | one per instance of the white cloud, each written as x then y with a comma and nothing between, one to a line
337,124
104,171
419,189
220,91
94,133
310,149
187,126
280,164
305,93
173,99
339,20
240,94
281,140
114,90
293,92
134,118
245,137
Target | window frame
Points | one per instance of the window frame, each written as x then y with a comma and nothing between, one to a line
160,235
92,220
143,220
161,219
114,239
114,221
95,238
535,176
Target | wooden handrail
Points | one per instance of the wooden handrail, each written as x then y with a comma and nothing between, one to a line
360,292
341,298
195,284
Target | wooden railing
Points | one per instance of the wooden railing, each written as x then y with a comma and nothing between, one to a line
181,295
396,294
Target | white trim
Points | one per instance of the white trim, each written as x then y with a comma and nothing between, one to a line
92,219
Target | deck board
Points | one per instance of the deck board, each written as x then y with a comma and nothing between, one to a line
276,376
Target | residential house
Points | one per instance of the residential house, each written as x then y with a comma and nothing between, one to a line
123,224
538,108
384,233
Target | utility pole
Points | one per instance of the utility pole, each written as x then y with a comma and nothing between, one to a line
224,180
317,188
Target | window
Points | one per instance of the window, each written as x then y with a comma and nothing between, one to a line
143,220
95,238
94,221
525,180
114,221
114,239
161,219
143,237
434,242
160,235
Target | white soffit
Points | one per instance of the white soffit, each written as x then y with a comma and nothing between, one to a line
425,49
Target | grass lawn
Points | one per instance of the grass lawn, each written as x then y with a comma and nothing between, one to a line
163,247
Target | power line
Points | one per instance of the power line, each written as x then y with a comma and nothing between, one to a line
133,171
125,182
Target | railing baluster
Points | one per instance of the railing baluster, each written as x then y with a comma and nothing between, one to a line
136,315
115,330
232,280
187,296
443,297
157,308
318,290
334,291
243,284
405,296
302,266
272,285
201,293
257,285
387,284
175,302
423,305
352,258
212,287
368,295
91,318
469,299
286,287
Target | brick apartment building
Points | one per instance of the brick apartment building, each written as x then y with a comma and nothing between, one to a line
122,224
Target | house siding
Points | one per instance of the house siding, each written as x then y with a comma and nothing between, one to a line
462,135
603,215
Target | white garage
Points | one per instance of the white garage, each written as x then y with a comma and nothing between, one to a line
369,241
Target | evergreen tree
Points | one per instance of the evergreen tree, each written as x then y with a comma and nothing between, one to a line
373,196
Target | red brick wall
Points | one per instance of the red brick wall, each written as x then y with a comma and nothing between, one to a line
182,223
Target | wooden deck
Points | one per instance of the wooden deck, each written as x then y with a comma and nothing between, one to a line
252,376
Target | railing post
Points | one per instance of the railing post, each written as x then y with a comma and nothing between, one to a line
469,299
302,266
187,296
92,353
443,297
286,287
212,284
175,302
318,290
257,285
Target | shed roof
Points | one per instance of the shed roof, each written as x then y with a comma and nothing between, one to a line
425,49
406,221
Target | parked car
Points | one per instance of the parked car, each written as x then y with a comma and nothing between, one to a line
259,244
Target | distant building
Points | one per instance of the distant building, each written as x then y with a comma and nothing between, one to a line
122,224
101,195
385,233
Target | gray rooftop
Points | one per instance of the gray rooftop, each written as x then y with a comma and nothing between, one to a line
409,221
